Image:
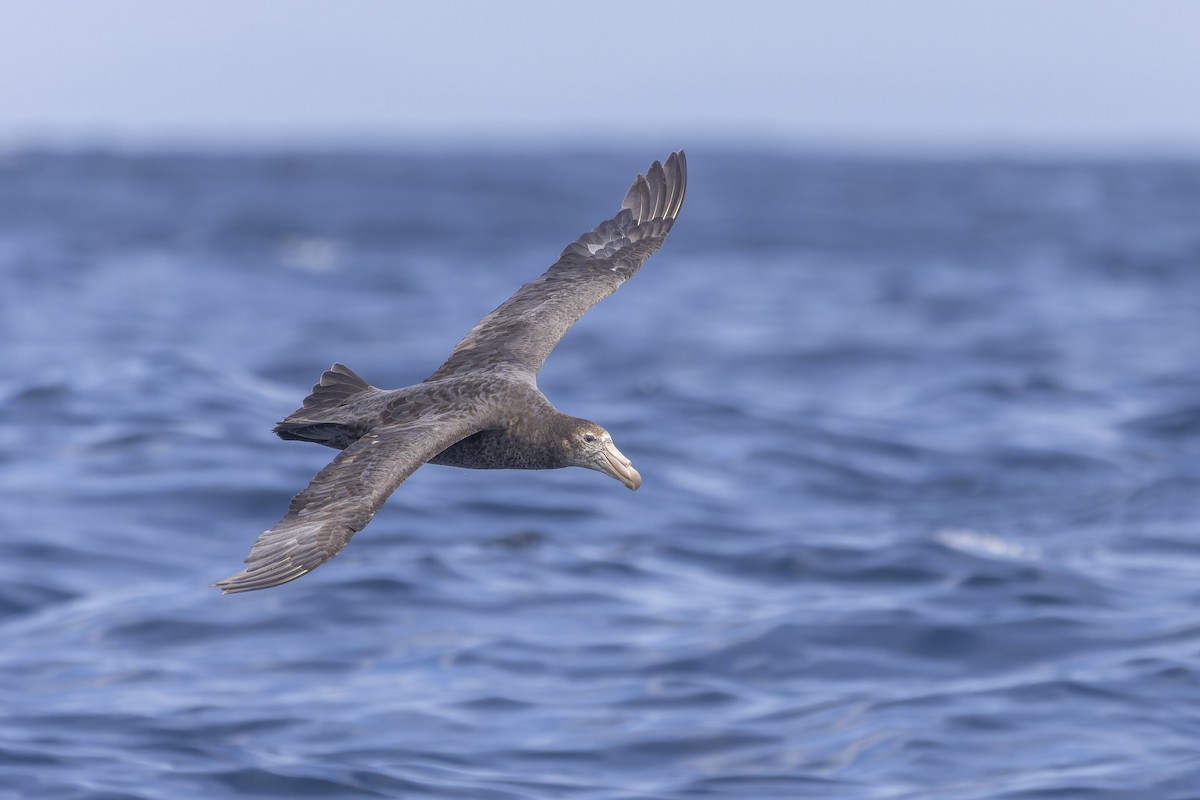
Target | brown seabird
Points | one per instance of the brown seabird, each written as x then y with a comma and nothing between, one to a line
480,410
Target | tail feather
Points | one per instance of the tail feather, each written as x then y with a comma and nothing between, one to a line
337,384
330,434
315,420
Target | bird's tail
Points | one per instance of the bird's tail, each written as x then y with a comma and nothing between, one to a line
312,421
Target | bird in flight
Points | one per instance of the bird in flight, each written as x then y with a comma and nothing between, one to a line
481,409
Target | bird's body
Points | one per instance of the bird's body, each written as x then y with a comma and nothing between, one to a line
514,409
480,410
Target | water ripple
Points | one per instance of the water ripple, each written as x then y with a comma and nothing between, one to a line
918,516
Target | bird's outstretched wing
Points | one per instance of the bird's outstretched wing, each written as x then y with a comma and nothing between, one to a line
524,330
343,498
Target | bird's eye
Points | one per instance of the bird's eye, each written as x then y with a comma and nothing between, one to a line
587,437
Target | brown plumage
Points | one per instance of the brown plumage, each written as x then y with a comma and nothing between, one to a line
480,410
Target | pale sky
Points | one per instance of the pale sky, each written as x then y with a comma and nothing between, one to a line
1073,75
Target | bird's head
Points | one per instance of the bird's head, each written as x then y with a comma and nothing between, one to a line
591,446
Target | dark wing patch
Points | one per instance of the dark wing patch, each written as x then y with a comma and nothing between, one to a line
343,498
524,330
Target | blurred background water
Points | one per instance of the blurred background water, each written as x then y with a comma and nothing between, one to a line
920,442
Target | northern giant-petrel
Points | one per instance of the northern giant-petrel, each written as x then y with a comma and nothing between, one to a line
480,410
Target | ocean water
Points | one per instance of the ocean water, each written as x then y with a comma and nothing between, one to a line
920,443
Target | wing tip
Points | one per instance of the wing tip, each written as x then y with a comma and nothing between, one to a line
653,200
658,194
249,580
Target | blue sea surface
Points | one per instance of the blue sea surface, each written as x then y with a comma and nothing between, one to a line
920,443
